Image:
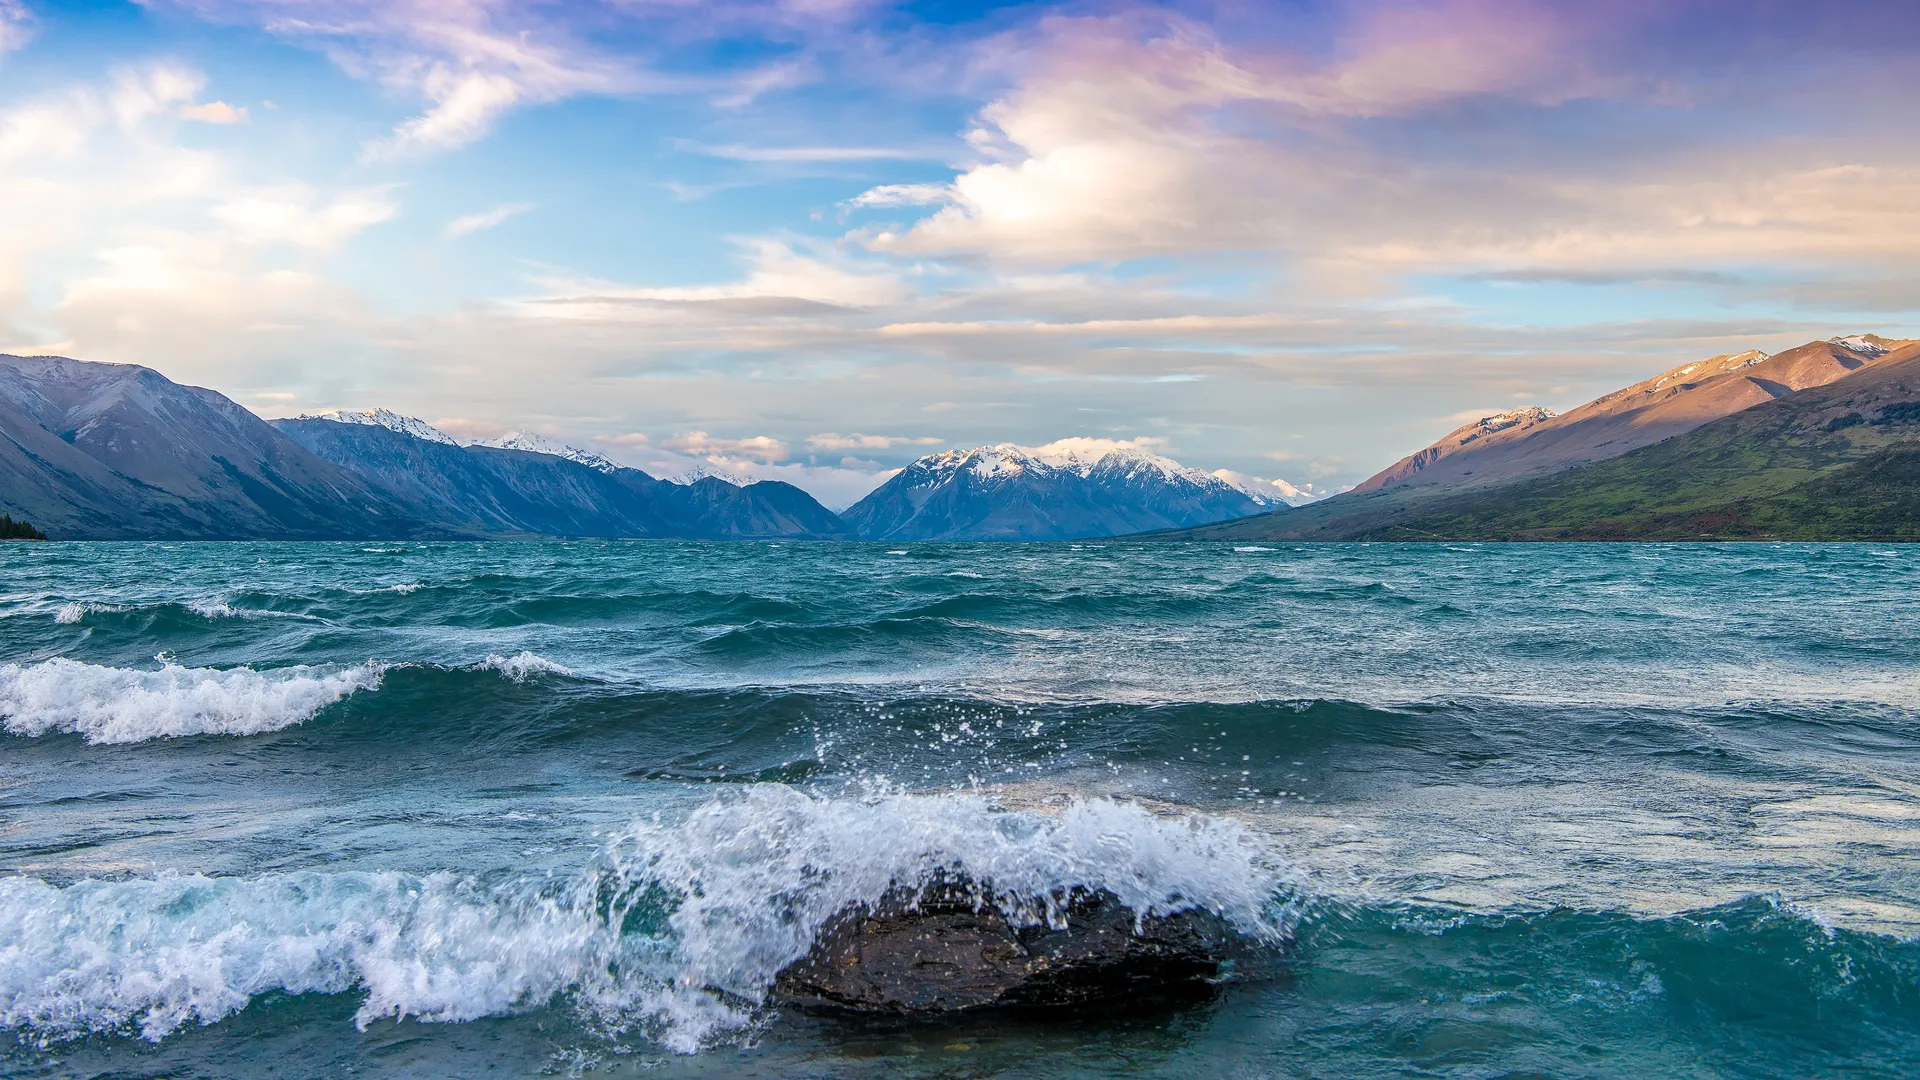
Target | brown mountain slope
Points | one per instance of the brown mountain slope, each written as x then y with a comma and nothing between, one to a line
1367,513
1530,444
1828,463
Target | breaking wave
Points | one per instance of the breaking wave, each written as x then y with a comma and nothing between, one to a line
522,666
676,929
122,705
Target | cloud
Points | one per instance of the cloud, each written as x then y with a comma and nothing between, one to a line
1080,446
756,447
486,219
777,271
805,153
215,112
1139,136
832,441
295,214
902,195
470,60
15,26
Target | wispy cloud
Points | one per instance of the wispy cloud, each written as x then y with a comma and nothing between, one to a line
737,152
16,25
486,219
470,60
856,441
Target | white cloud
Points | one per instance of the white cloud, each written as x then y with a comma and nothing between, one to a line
776,272
759,448
1088,448
486,219
215,112
1126,139
465,105
856,441
140,93
294,214
902,195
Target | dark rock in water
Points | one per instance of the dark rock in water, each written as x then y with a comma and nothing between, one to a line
940,950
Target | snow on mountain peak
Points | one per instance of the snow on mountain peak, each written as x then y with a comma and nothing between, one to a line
703,470
1109,459
534,442
1505,420
392,421
1269,492
1864,344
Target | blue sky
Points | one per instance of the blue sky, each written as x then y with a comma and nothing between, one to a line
813,239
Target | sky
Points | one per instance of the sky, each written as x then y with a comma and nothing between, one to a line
814,239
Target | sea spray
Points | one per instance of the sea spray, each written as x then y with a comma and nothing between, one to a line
677,928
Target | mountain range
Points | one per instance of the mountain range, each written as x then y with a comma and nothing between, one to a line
1818,442
1810,443
118,451
1008,492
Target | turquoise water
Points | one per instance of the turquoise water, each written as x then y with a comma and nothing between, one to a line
564,808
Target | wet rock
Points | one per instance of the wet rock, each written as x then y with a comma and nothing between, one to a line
937,950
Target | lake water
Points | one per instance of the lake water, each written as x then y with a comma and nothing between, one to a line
565,808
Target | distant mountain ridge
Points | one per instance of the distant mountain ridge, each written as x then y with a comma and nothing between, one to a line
118,451
514,491
385,418
1833,462
1537,442
536,443
1611,465
1008,492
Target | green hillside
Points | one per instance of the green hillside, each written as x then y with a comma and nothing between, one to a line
1836,462
1826,463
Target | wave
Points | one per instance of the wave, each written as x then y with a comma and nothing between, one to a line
678,929
75,611
122,705
521,667
165,615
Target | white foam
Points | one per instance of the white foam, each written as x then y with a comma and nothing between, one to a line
74,611
122,705
1252,547
220,609
520,667
749,880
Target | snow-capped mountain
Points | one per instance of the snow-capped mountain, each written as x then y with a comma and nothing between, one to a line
392,421
1270,493
703,470
1073,489
536,443
1864,344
